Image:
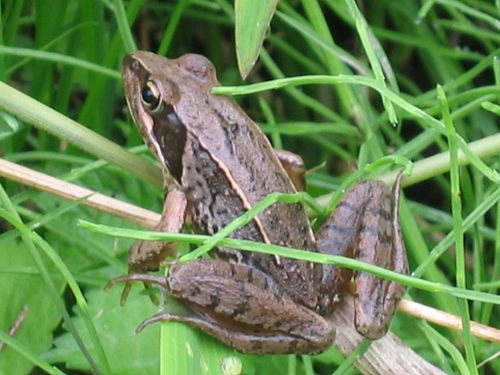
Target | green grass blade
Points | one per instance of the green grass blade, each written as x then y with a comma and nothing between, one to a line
252,19
458,228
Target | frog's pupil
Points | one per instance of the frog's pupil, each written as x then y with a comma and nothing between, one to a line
147,94
150,95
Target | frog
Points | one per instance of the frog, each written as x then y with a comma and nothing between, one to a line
217,165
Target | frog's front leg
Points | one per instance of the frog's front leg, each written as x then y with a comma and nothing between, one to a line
242,307
365,226
147,255
294,168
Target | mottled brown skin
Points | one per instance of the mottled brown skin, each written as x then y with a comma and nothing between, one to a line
219,165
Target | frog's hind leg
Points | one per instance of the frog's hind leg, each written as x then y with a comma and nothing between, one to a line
244,308
377,299
366,226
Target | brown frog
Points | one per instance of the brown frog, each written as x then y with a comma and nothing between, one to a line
218,165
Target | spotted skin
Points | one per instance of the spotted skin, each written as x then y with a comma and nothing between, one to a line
219,166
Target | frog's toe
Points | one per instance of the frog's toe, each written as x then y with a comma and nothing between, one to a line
155,318
128,279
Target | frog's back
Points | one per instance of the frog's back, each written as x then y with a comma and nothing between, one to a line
228,165
235,167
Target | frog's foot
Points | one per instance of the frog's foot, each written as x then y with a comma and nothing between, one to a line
146,256
148,280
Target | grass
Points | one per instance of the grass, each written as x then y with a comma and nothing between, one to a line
358,86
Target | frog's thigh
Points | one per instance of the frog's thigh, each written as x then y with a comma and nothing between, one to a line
294,168
243,308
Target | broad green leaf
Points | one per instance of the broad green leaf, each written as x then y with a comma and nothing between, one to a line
186,350
127,352
22,286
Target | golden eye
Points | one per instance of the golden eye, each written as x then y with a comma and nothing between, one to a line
151,96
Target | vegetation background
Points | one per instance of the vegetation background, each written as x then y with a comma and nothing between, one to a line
434,72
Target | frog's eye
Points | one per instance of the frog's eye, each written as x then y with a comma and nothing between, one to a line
150,96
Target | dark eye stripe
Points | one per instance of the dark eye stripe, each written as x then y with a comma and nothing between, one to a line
170,133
